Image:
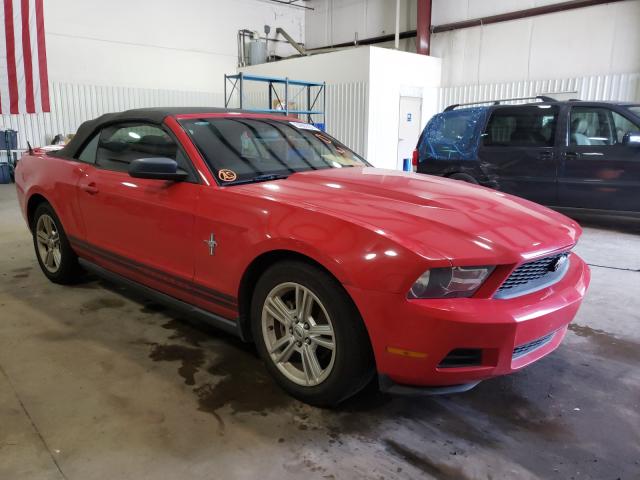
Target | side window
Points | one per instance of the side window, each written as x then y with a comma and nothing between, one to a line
119,145
533,126
88,154
623,126
591,126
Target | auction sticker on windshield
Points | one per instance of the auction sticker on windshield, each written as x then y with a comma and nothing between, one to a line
227,175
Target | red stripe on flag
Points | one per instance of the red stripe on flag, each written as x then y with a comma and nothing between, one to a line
11,56
26,56
42,58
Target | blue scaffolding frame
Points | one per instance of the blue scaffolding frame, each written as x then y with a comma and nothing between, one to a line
237,82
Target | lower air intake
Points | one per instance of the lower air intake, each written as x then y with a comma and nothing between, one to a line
462,357
526,348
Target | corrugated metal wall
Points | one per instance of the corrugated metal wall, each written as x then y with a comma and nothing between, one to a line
347,107
73,104
347,114
621,87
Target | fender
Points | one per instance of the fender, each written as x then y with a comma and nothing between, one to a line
55,179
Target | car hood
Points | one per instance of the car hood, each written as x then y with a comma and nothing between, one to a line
432,216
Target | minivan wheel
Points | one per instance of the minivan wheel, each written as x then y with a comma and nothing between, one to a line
57,260
309,334
465,177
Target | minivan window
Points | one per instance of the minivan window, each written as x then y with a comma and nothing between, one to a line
533,126
591,126
623,126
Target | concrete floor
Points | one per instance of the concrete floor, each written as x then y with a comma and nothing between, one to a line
97,383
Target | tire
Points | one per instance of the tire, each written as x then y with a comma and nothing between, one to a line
465,177
49,236
337,373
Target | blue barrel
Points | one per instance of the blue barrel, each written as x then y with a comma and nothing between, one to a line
407,166
8,139
5,173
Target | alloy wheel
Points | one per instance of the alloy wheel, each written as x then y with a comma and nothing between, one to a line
48,242
298,334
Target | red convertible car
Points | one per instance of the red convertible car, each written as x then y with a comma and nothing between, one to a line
273,230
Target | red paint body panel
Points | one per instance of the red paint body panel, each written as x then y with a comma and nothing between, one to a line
437,327
376,231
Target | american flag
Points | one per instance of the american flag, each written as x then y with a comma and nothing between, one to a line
24,84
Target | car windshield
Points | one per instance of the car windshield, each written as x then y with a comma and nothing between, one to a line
635,109
243,150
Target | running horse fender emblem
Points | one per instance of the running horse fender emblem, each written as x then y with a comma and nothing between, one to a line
212,244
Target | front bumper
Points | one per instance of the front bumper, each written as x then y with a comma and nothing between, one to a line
410,338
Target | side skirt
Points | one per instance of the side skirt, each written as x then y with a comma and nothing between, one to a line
229,326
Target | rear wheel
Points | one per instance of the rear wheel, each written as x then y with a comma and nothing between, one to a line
56,258
465,177
309,334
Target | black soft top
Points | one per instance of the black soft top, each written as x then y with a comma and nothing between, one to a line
147,115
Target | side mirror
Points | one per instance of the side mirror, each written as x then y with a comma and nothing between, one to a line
631,139
157,168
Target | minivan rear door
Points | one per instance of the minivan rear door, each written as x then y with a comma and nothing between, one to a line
518,153
598,170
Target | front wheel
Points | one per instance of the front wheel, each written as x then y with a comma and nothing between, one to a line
309,334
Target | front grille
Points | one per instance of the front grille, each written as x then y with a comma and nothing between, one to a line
532,276
462,357
522,350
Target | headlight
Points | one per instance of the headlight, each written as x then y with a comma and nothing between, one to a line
449,282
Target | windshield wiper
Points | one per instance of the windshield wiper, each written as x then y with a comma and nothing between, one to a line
260,178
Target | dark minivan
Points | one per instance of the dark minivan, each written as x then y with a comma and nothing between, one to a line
571,155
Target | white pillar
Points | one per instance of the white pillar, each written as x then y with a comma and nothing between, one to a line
397,24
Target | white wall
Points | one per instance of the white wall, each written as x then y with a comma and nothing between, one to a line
164,44
593,40
343,66
338,21
392,74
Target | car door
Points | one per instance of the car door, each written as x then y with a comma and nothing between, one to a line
599,171
517,151
139,228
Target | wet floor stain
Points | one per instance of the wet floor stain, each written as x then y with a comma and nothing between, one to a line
609,345
506,405
88,284
102,303
153,307
21,275
233,374
185,332
439,470
191,359
244,385
22,270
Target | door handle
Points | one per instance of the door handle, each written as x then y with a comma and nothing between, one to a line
572,155
546,156
90,188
